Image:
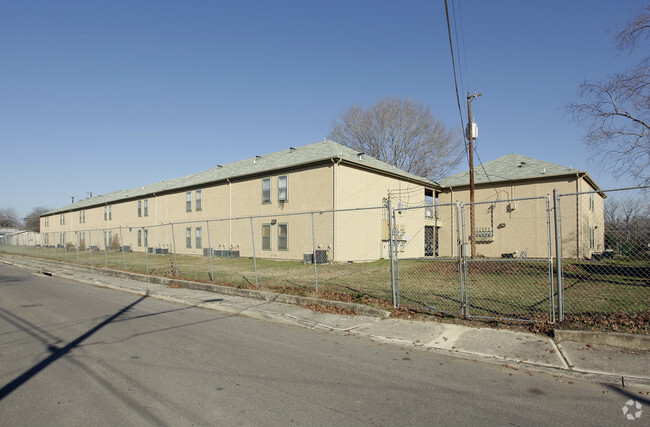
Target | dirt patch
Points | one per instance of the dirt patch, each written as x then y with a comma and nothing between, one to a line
630,323
330,309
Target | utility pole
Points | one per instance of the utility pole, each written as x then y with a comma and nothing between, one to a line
470,137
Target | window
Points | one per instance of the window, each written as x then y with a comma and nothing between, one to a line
592,237
188,237
80,221
146,238
591,202
146,207
283,188
198,200
62,219
266,190
110,213
105,213
139,238
283,237
83,216
188,201
197,238
139,209
47,221
266,237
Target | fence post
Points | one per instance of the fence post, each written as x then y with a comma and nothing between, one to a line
207,227
464,292
90,246
105,250
392,236
122,244
176,272
254,257
551,304
558,254
146,249
313,246
390,248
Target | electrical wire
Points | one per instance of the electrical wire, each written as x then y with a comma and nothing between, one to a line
453,63
464,50
485,172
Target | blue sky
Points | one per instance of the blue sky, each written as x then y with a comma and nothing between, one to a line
97,96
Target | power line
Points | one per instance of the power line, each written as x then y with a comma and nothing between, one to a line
453,63
485,172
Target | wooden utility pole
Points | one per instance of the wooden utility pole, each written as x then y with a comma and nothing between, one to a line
470,137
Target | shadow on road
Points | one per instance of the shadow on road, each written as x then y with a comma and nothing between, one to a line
57,353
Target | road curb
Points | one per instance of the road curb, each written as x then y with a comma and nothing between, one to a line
220,289
612,339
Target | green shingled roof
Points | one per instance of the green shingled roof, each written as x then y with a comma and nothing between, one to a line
293,157
511,167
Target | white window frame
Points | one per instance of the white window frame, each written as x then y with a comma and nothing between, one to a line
266,198
283,197
283,241
266,240
198,238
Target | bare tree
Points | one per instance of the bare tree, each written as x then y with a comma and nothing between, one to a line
616,110
402,133
33,220
9,218
627,225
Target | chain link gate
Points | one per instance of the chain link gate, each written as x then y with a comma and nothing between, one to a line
604,257
426,248
504,272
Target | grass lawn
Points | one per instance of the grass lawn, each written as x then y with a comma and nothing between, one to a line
494,288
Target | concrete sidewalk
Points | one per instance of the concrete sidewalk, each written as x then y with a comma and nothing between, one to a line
517,350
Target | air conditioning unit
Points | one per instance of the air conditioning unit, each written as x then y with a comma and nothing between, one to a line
321,257
234,254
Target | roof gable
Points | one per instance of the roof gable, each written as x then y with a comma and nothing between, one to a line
511,167
281,160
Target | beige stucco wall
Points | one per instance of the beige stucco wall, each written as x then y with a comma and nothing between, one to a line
356,235
525,228
360,235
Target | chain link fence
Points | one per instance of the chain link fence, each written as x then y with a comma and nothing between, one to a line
532,259
605,262
504,271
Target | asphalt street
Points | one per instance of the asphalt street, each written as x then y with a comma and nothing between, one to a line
76,354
